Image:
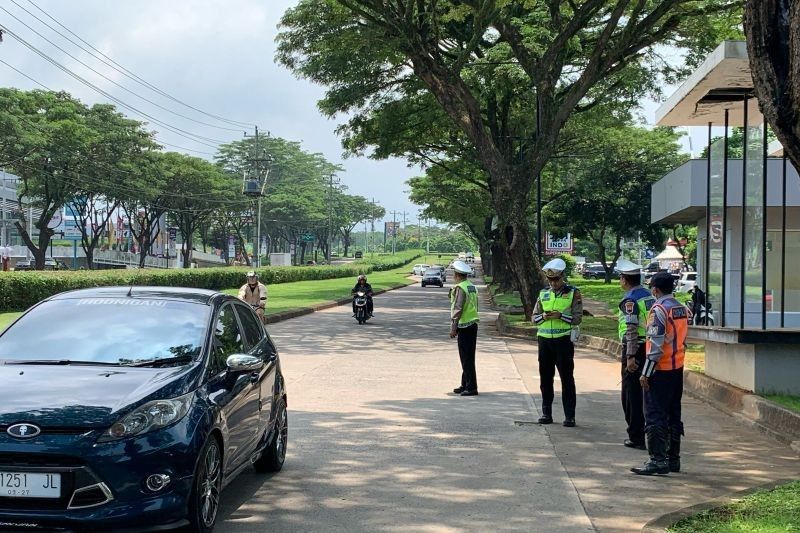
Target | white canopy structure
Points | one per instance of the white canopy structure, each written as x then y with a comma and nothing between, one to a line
670,253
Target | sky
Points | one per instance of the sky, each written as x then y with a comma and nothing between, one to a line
215,55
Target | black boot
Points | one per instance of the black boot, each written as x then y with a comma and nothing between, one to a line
547,415
657,446
674,453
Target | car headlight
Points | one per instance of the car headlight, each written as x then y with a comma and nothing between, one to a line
149,417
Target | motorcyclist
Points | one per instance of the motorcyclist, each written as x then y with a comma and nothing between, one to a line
254,293
366,288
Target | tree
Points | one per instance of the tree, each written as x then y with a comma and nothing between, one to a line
350,210
609,194
195,186
772,27
497,70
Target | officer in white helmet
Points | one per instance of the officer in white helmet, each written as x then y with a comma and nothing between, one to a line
464,325
633,309
557,313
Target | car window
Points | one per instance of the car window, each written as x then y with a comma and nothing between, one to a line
108,330
228,338
253,331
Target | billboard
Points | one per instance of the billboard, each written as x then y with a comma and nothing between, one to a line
558,245
390,229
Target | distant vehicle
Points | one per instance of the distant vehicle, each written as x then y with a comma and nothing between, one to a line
462,255
334,254
596,272
432,276
419,269
359,254
444,271
311,263
470,257
687,282
49,264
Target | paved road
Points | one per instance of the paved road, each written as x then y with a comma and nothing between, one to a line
377,444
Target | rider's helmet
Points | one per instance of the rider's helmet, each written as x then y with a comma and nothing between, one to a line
362,276
252,277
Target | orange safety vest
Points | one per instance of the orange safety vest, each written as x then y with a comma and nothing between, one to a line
677,329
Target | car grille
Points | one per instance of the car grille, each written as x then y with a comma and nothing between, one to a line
57,430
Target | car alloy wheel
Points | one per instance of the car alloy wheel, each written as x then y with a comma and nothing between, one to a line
207,487
274,455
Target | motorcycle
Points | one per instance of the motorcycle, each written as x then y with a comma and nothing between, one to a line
360,299
257,306
702,314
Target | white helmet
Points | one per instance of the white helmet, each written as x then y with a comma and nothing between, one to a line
252,274
461,267
554,268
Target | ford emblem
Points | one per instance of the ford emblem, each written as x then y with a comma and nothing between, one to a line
23,431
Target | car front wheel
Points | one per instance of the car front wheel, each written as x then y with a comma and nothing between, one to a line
274,455
206,488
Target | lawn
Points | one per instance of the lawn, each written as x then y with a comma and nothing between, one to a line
790,402
764,511
599,327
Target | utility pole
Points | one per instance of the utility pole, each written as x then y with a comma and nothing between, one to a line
429,236
330,213
372,225
394,231
419,228
262,164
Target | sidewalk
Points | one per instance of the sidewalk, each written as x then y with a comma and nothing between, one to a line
719,456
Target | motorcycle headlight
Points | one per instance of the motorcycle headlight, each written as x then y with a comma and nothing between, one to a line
149,417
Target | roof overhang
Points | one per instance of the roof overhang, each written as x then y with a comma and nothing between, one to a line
720,83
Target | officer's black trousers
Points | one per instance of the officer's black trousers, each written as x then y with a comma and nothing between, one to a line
467,341
662,403
632,397
557,353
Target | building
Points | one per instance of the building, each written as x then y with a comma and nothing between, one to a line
747,209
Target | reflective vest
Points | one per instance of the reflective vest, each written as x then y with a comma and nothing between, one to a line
550,301
676,331
643,301
469,315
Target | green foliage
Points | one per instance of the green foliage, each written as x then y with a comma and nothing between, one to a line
764,511
570,261
383,262
786,400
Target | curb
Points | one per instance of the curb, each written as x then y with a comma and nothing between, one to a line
663,522
300,311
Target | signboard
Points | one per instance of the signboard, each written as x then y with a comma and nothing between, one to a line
391,229
716,229
558,245
172,234
231,247
72,230
56,221
308,237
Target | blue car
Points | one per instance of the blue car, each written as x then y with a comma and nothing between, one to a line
130,408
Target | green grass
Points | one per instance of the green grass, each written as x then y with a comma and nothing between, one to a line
790,402
8,318
518,321
762,512
599,327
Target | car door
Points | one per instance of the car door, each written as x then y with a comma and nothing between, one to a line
236,394
260,345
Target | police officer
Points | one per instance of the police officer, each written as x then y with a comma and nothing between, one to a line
464,325
558,310
662,378
633,309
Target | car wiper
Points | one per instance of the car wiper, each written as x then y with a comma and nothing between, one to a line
163,361
58,362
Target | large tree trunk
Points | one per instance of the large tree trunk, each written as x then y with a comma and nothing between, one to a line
773,45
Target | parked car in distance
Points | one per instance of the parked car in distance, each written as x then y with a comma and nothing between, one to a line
359,254
419,269
687,282
470,257
432,276
596,271
49,264
140,429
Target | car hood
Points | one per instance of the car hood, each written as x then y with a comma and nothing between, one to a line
84,396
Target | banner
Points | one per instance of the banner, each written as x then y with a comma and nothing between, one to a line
560,245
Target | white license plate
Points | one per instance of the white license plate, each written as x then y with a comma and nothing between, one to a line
30,485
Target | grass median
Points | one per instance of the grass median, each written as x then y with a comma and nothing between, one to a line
775,510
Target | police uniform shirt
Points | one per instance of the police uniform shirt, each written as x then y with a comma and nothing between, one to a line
575,315
630,310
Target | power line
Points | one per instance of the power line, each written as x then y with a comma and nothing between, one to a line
133,76
178,131
106,77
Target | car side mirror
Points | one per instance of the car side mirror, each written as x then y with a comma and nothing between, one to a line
240,362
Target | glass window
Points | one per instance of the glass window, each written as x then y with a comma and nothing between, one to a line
253,330
228,338
107,330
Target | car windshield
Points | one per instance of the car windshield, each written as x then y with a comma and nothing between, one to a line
123,331
432,272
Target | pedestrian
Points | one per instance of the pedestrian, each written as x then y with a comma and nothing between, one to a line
464,325
557,313
633,309
662,378
5,253
255,293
